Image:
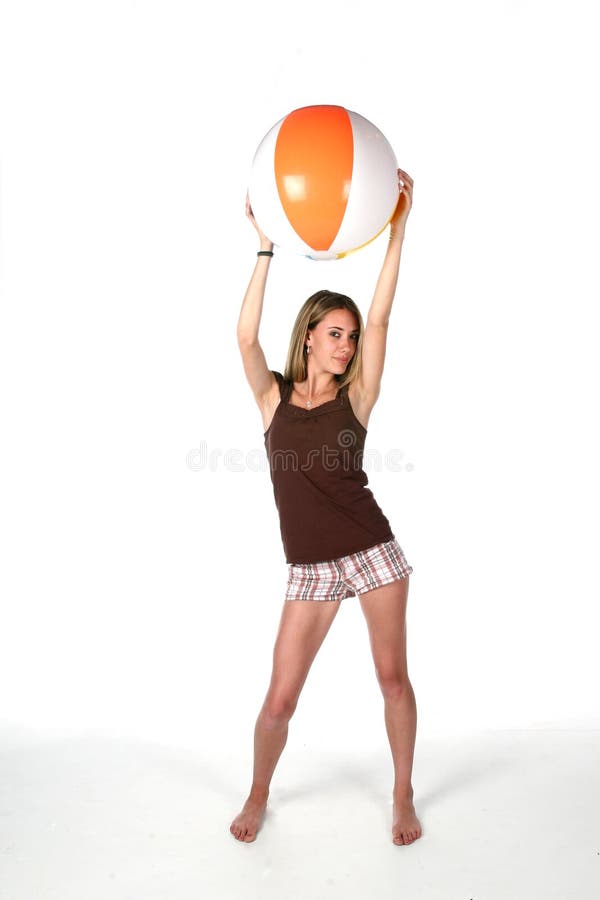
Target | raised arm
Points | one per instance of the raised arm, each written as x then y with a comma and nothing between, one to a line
260,379
375,336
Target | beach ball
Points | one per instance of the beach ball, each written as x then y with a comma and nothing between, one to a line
323,182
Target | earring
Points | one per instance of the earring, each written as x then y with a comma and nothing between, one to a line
307,348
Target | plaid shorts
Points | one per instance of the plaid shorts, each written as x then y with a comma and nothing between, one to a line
347,575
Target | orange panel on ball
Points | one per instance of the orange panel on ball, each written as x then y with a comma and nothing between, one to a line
314,155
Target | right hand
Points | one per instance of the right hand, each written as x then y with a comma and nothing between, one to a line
265,243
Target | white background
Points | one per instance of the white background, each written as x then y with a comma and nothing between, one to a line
141,594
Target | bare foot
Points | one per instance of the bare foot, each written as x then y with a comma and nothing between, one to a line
406,827
247,823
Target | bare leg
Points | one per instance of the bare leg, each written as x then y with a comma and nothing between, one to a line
302,629
385,612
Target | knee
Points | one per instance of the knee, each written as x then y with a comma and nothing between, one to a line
277,710
394,684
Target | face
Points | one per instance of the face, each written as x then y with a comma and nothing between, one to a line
333,341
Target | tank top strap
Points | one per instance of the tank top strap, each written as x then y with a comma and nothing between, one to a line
284,386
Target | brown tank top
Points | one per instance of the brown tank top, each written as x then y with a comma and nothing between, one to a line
315,457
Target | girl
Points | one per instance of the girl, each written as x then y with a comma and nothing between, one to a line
336,539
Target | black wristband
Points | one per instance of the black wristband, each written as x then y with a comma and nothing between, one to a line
265,253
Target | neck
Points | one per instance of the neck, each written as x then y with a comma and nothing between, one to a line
317,382
315,386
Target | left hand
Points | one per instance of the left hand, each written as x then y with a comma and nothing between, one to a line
403,207
265,243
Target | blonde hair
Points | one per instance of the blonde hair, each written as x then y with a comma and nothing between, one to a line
311,313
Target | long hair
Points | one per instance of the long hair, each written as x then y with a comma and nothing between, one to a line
311,313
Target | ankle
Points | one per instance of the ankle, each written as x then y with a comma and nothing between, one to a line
259,793
403,794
